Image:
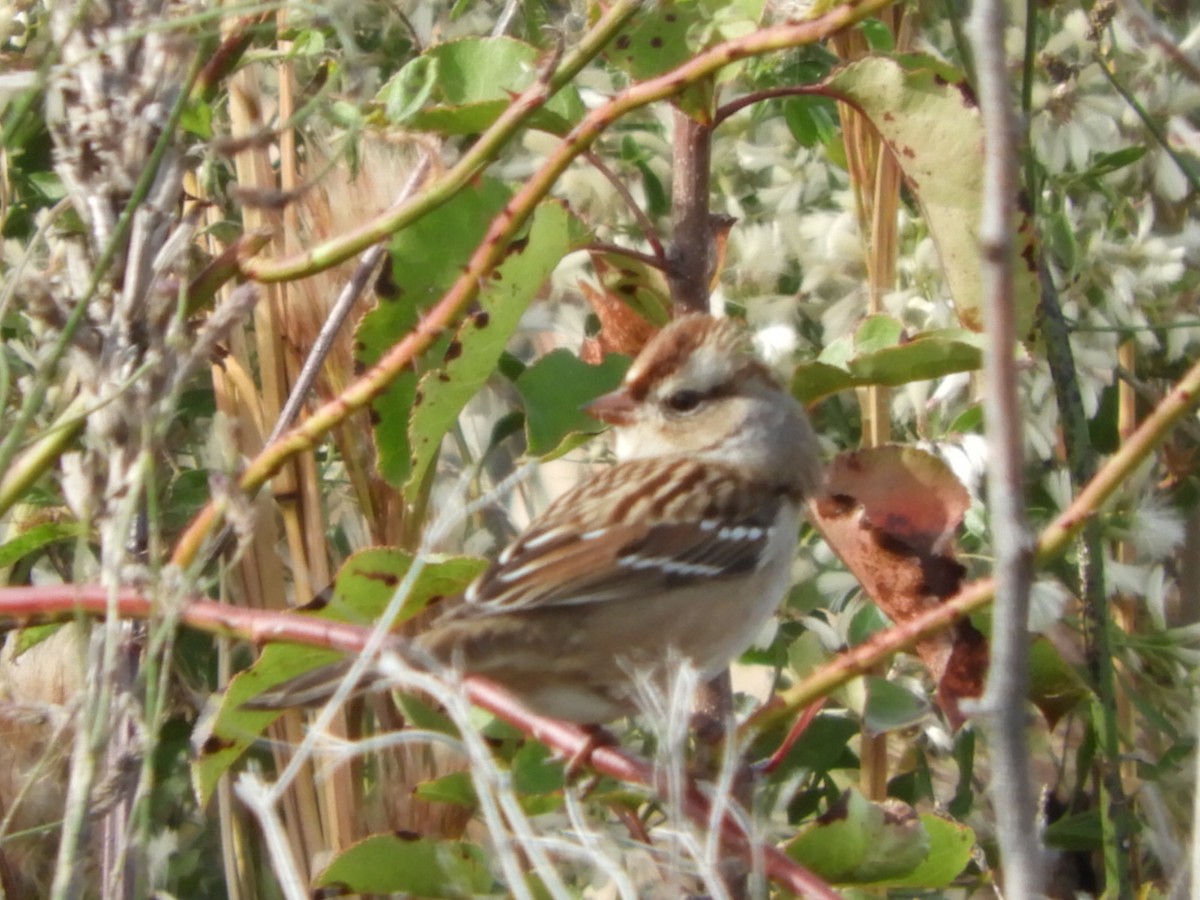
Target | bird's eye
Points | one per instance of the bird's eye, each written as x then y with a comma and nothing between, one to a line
684,401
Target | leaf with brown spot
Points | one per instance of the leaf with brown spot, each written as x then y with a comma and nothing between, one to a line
471,356
891,514
426,259
926,114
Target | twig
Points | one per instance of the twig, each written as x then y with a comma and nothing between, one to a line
337,315
776,759
1181,162
1003,702
1081,464
38,604
648,230
1148,28
791,90
648,259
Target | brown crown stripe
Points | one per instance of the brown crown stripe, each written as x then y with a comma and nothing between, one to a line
672,347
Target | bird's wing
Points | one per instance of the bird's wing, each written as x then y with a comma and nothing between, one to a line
633,530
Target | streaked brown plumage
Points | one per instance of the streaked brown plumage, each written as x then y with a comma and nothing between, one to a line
681,550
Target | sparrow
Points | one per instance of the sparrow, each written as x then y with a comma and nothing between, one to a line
680,551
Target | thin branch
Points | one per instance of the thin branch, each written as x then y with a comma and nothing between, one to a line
1149,29
30,604
805,719
648,259
1097,619
1181,162
349,295
648,230
794,90
691,259
1003,703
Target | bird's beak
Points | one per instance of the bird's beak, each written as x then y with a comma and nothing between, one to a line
615,407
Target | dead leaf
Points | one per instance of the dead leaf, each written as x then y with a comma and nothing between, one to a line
621,329
891,514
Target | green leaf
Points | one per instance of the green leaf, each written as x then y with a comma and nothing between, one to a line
866,622
425,715
642,287
876,333
554,388
477,79
950,847
455,788
235,729
472,356
811,120
427,258
964,757
890,706
390,864
879,36
665,35
197,119
823,747
815,381
535,771
363,587
928,117
28,638
367,581
1079,832
1055,687
859,842
880,353
1107,163
409,89
659,38
35,538
921,359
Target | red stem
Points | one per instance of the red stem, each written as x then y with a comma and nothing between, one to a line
30,605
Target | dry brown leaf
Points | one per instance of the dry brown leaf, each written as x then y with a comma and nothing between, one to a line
891,514
621,329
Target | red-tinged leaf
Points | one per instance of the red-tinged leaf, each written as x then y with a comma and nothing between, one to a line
891,514
621,329
965,670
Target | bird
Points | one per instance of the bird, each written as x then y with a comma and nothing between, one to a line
681,550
